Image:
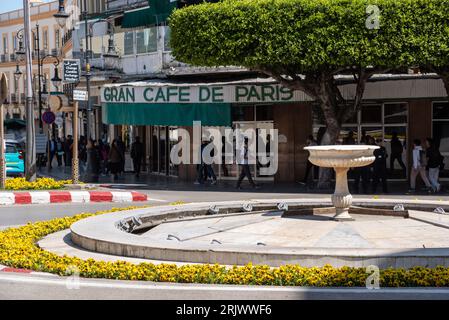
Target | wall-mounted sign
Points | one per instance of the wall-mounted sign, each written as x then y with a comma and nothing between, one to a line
71,70
80,95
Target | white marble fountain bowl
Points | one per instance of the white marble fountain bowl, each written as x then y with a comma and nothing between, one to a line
342,156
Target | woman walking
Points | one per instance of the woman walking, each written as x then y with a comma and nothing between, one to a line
115,159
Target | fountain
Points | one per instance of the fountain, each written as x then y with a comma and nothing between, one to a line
341,158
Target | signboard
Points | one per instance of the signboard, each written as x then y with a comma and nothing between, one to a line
41,143
201,93
48,117
71,70
79,95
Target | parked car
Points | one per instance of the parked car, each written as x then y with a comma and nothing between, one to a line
15,165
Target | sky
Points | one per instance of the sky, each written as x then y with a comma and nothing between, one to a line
9,5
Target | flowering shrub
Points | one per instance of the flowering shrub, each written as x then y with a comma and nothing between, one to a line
18,249
38,184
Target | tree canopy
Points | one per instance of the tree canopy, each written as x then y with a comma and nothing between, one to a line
304,36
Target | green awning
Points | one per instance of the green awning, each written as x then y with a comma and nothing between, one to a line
157,12
169,114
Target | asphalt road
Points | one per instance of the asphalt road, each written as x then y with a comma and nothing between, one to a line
34,286
25,286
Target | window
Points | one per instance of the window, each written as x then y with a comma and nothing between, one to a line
45,39
440,132
146,40
167,34
129,43
5,45
372,114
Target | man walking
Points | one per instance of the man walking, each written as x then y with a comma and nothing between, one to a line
380,167
396,152
246,172
137,155
419,166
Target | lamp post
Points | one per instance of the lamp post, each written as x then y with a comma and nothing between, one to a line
30,157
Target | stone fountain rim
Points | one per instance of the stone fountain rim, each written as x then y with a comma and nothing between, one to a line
346,147
87,234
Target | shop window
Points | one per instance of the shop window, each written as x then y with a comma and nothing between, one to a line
372,114
440,132
242,113
395,113
129,43
167,34
440,111
264,113
146,40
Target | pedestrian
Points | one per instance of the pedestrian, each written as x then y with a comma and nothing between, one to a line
59,151
68,151
396,152
137,155
121,148
245,172
419,166
104,151
51,147
349,140
434,163
310,170
115,159
93,170
363,174
380,167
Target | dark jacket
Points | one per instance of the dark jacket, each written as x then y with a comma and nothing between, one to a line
380,163
434,157
137,150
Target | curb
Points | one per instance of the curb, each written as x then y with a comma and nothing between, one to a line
44,197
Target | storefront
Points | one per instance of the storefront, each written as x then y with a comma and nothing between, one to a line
409,106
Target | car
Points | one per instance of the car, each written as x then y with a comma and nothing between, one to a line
15,165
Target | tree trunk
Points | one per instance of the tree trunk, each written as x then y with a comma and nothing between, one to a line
330,137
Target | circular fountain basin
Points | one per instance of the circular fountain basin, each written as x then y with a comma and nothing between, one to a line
341,156
229,234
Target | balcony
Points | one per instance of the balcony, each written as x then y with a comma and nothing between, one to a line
4,58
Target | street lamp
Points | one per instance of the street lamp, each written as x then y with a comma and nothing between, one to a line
61,16
17,73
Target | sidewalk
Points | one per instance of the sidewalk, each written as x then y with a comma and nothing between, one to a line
158,182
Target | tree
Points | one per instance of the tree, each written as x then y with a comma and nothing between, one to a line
307,44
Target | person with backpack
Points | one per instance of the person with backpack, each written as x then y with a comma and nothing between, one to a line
434,164
419,166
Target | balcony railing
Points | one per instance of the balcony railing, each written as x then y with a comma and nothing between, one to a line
67,37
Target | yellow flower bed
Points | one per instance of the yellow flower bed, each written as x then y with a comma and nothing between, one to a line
18,249
38,184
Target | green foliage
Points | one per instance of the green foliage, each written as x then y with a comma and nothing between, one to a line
305,36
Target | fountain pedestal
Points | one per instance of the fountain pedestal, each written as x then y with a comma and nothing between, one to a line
341,158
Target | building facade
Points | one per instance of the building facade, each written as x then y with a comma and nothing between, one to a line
410,105
48,40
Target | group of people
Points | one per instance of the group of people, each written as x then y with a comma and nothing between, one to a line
205,170
427,163
104,158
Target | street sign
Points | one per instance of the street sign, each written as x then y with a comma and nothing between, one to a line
71,70
59,121
80,95
48,117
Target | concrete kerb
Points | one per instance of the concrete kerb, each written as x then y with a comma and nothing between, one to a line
102,234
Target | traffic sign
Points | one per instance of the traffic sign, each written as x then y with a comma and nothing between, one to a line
48,117
80,95
71,70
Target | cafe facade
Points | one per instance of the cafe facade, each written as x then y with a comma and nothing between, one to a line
411,105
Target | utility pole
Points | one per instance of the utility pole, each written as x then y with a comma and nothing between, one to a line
87,73
3,96
30,157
